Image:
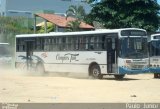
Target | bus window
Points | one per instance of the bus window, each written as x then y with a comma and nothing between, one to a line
38,44
97,43
59,43
86,43
46,44
81,43
21,45
54,46
70,43
77,43
113,43
103,40
91,46
50,44
63,43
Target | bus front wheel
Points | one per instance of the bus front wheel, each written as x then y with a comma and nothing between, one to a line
119,76
95,72
156,75
40,68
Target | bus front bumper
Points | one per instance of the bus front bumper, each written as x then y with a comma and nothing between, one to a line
123,70
154,70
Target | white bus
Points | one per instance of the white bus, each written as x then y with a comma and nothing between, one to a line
155,55
95,53
5,56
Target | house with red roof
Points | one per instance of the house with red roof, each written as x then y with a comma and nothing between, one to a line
61,22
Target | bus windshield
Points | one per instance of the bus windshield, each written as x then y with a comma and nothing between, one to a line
155,48
133,47
4,50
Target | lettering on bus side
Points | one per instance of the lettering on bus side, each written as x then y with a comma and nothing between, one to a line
70,57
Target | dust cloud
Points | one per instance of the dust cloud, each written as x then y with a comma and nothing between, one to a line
20,72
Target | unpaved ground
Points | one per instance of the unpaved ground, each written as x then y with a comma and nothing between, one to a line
52,88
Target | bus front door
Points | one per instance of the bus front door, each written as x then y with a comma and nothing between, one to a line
111,55
29,53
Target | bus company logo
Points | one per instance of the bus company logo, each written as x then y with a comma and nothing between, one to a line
67,57
44,55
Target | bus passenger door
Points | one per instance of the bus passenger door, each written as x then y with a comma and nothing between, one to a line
111,55
29,53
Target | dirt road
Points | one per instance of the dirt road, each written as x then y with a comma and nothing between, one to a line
22,87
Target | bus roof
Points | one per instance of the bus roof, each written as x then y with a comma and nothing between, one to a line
156,34
4,43
99,31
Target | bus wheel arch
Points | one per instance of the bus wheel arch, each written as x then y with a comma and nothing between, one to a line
95,71
40,67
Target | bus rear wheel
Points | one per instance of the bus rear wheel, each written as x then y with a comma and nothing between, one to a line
95,72
40,68
119,77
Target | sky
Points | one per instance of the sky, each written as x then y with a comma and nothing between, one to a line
158,1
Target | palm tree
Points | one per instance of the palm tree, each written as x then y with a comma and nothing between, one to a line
78,13
73,25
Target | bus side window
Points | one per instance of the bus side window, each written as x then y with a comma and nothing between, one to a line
80,43
38,44
63,43
59,44
50,44
97,43
72,43
113,43
103,39
53,44
86,43
91,46
18,45
21,45
46,44
77,43
83,44
42,44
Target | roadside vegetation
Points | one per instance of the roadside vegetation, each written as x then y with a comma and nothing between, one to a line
126,13
10,26
104,14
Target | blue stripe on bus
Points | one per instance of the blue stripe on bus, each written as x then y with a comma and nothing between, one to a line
154,70
123,70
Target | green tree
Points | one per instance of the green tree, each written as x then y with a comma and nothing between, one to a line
14,25
126,13
11,26
50,28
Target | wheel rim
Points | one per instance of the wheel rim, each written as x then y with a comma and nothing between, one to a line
95,72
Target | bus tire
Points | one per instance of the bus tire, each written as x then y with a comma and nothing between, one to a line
40,68
119,77
155,75
95,71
